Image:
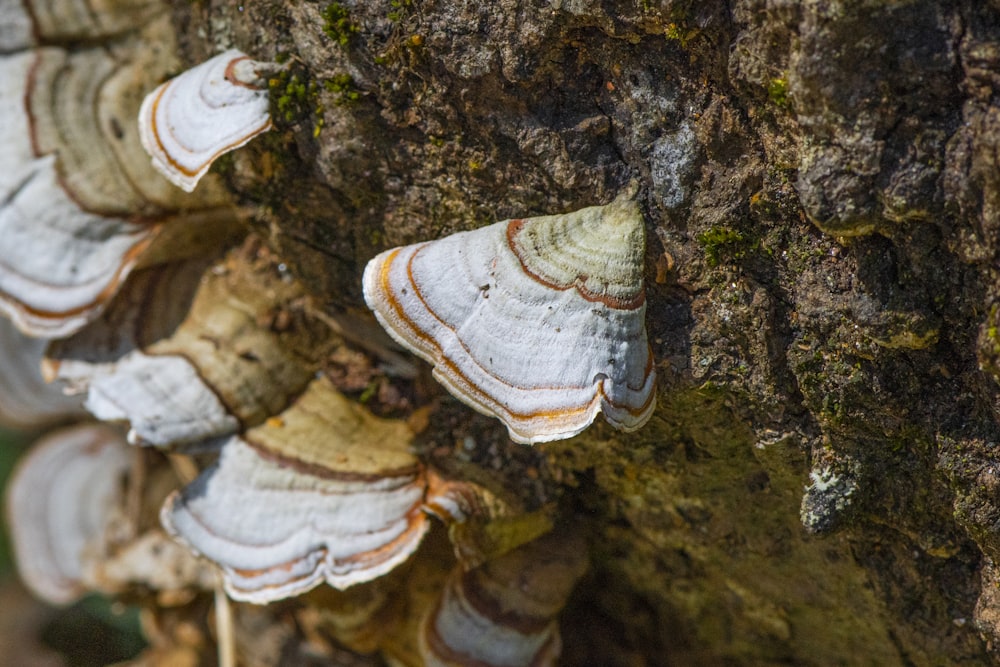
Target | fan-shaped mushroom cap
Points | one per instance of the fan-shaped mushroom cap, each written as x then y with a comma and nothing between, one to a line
86,19
59,265
78,197
24,23
324,492
539,322
207,111
101,160
202,367
57,262
60,499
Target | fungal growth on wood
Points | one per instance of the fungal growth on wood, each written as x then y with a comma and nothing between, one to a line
60,506
209,110
232,444
80,205
336,497
539,322
155,311
198,366
79,509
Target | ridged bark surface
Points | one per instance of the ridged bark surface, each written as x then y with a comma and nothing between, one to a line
819,484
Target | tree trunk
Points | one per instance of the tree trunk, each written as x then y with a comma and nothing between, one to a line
819,181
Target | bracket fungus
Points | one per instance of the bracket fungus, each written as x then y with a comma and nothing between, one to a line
77,508
80,205
59,502
67,20
101,160
205,370
117,277
504,613
58,260
323,492
207,111
539,322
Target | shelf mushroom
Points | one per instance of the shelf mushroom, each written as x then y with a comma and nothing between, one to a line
59,503
80,205
504,613
211,109
539,322
58,262
66,20
323,492
203,363
75,508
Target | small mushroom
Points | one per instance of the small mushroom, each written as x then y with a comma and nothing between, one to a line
210,109
59,502
504,613
539,322
324,492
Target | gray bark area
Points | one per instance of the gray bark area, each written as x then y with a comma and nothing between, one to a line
820,482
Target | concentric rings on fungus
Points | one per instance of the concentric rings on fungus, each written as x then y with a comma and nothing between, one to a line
539,322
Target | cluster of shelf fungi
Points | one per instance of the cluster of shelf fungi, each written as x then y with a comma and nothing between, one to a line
208,452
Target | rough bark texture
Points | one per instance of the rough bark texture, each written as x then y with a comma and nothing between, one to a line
819,484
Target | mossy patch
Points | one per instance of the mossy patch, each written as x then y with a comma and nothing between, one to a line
722,244
398,9
680,33
777,91
337,24
295,97
342,85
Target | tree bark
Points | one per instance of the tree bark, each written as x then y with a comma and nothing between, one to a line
819,484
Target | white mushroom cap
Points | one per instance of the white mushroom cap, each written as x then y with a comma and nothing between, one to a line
59,502
539,322
324,492
209,110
